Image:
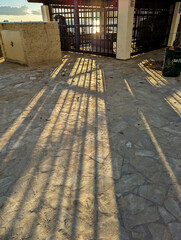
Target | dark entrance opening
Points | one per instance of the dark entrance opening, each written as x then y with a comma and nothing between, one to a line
87,26
152,23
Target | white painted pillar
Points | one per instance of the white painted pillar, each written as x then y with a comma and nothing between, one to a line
45,13
175,23
125,28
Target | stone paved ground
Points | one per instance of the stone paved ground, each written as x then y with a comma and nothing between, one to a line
90,149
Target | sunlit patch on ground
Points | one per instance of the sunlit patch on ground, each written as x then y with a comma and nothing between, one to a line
2,60
89,153
64,189
154,77
175,102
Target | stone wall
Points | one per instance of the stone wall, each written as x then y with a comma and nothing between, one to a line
40,40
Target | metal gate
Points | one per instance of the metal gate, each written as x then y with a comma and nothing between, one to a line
152,23
90,26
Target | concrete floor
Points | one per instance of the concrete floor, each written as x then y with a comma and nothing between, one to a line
90,149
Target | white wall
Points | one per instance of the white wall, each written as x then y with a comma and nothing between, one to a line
175,23
45,13
125,28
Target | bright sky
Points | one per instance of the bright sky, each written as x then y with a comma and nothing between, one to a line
19,10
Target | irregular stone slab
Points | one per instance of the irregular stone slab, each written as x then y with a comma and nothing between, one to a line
131,119
139,232
118,195
160,175
128,144
32,78
165,215
18,85
154,192
117,174
175,229
147,166
145,153
173,207
105,183
119,127
100,158
157,121
60,187
123,234
17,111
171,130
5,183
159,232
128,182
117,143
173,192
175,166
140,125
149,214
2,201
133,204
117,162
145,142
127,169
15,144
51,237
108,228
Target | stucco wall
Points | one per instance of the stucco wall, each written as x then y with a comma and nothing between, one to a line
40,40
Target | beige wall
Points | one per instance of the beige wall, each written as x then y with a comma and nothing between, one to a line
40,41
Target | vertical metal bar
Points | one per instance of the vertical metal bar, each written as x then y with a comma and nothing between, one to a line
95,19
113,32
108,25
100,25
77,30
104,12
81,28
134,31
89,19
71,38
92,27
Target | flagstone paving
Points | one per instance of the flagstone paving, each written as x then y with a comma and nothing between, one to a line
90,149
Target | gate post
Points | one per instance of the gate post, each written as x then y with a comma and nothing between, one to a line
125,28
77,30
45,13
175,23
